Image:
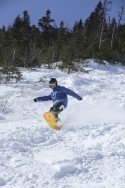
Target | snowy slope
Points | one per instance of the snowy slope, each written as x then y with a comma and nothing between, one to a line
89,151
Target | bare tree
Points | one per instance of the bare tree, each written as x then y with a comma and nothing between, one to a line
121,14
14,53
113,34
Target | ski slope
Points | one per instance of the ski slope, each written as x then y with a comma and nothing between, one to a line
89,150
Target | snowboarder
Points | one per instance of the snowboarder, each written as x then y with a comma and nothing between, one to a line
59,97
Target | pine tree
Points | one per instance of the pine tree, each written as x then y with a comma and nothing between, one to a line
22,39
92,31
48,38
68,55
78,34
61,36
105,9
46,21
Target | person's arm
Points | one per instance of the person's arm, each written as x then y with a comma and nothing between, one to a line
72,93
44,98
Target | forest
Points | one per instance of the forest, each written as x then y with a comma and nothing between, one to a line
99,37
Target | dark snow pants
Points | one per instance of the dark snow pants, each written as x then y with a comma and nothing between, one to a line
56,109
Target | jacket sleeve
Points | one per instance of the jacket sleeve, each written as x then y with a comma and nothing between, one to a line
44,98
72,93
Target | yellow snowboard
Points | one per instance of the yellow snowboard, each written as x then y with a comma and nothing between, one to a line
51,121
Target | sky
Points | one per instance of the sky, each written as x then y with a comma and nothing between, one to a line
69,11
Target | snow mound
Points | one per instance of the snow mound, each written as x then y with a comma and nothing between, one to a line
89,150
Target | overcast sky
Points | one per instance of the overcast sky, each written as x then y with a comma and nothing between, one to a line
67,10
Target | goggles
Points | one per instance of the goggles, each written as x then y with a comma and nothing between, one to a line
52,84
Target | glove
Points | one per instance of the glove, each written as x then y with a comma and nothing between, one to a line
35,100
80,98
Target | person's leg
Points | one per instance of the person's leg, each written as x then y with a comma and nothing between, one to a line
56,109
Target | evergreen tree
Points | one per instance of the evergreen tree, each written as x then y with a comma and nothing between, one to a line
45,22
78,35
61,35
105,9
92,31
48,38
69,54
24,45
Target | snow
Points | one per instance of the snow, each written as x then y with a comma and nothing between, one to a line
89,150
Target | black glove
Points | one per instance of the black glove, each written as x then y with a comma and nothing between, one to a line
80,98
35,100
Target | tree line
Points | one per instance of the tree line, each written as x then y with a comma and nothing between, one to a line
98,37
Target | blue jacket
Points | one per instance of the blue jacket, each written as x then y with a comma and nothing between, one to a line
59,94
